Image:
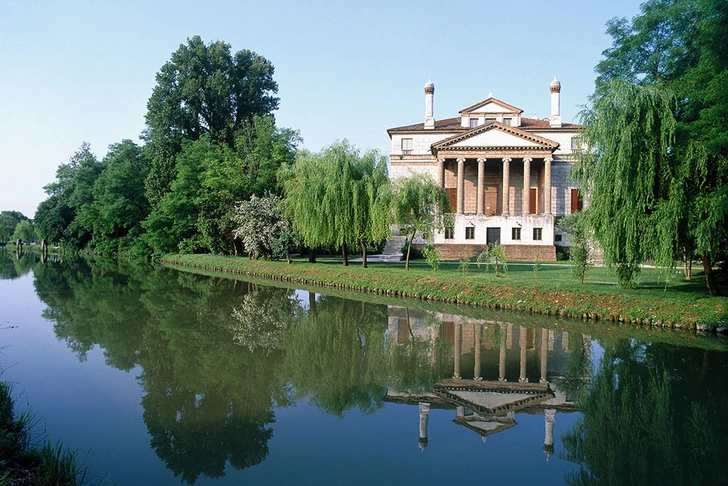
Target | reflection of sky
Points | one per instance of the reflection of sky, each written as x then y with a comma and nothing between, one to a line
597,352
92,406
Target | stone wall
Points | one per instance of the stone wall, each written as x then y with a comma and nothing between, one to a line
547,253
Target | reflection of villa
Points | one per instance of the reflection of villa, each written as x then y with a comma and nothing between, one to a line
498,369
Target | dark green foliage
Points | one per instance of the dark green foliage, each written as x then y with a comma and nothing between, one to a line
203,90
8,221
657,168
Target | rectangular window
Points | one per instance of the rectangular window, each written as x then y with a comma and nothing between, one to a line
577,204
489,120
407,145
537,232
507,121
470,233
515,233
449,234
576,145
557,237
473,122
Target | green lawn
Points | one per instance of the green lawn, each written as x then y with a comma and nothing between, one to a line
554,291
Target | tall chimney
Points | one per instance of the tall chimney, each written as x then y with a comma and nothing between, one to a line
555,103
429,105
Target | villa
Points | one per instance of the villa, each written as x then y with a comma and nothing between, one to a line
505,174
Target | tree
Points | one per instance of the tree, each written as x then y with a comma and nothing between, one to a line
24,231
67,215
419,205
203,89
260,225
196,214
337,198
8,221
657,168
576,226
120,206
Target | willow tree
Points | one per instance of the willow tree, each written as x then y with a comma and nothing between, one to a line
337,198
658,166
628,172
419,205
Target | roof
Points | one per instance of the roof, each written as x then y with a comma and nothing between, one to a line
454,125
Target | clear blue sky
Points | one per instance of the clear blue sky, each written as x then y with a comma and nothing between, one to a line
74,71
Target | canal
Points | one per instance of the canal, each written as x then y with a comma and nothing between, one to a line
160,376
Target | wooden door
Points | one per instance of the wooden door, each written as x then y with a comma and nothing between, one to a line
533,203
491,201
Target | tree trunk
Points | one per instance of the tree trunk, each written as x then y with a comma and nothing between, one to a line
409,247
710,282
345,255
312,256
363,254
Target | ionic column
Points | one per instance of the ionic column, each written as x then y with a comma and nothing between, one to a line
523,342
476,371
526,199
547,186
548,440
424,418
544,353
441,172
456,352
506,184
461,185
481,185
502,357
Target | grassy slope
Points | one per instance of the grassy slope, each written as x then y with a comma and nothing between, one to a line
554,291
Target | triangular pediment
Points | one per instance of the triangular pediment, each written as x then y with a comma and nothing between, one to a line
491,106
495,135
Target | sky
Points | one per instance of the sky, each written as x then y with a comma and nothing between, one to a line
77,71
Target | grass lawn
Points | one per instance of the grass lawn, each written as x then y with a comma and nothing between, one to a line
551,291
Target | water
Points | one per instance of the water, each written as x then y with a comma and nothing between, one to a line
167,377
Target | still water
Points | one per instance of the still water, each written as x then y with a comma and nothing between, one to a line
167,377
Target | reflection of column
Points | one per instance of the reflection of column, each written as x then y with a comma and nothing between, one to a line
441,172
544,353
548,441
476,372
523,342
547,186
481,186
502,360
526,199
506,185
424,418
456,352
461,185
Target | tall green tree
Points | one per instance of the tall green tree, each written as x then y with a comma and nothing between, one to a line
24,231
337,198
197,213
203,89
657,168
120,205
67,216
419,205
8,221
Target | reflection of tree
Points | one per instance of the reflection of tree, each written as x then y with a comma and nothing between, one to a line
13,267
646,422
337,355
208,399
417,364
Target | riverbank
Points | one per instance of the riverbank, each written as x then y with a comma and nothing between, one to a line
21,462
547,290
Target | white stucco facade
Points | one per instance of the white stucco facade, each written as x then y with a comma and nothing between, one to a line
505,174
